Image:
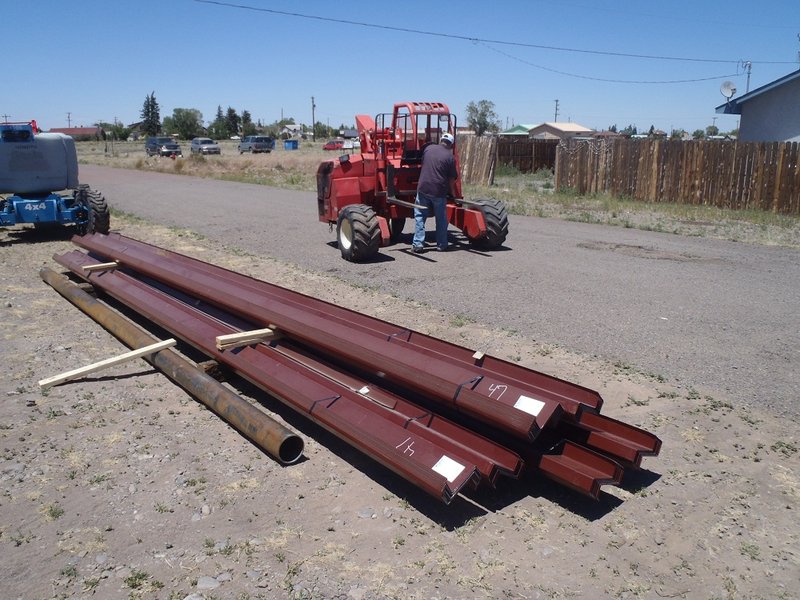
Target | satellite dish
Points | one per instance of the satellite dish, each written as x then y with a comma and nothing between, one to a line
727,89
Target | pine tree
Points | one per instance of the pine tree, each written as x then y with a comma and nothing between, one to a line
151,117
232,121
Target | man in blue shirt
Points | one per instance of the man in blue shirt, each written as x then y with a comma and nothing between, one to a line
437,180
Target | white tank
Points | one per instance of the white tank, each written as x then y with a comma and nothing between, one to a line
47,164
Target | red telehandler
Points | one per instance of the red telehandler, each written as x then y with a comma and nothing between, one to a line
370,195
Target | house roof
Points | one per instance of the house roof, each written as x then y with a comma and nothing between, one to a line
734,106
567,127
521,129
72,131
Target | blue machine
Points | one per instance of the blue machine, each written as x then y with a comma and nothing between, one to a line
39,182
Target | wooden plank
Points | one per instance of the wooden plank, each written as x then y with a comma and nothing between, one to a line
101,267
104,364
244,338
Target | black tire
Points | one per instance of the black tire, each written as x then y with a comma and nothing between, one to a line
98,216
396,229
358,233
496,218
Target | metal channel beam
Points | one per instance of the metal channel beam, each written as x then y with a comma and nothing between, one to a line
572,397
491,459
580,469
463,388
619,439
432,468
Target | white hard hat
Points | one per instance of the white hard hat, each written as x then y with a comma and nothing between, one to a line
447,137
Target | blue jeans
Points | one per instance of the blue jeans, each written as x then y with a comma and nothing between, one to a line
437,206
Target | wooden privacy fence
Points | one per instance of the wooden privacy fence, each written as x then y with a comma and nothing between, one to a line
726,174
479,156
527,155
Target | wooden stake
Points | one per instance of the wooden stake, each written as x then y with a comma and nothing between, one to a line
109,362
101,266
244,338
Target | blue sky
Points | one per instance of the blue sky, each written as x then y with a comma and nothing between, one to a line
98,59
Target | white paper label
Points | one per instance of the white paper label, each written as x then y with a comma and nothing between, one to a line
448,468
532,406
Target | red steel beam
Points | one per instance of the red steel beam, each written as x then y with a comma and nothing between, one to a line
574,464
622,440
580,469
492,459
461,387
440,471
572,397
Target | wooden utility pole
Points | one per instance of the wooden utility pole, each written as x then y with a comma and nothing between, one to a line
313,121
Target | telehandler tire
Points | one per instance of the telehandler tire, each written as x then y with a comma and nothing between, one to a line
496,217
358,233
99,218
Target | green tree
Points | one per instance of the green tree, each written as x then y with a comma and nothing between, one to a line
698,134
482,118
629,130
677,134
712,130
186,122
232,121
151,117
218,128
116,131
321,130
247,124
613,128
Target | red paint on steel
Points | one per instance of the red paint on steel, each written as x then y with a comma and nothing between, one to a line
572,397
580,469
462,387
491,379
621,440
438,470
491,459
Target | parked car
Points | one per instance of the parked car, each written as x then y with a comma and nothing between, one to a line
333,145
203,145
256,143
162,146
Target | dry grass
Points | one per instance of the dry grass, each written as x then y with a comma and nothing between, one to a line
290,169
524,194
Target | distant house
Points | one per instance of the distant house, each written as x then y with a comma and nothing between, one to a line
770,113
520,129
81,134
559,131
549,131
291,131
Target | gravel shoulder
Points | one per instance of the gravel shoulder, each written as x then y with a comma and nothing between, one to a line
120,484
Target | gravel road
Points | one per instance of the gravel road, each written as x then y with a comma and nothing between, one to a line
719,317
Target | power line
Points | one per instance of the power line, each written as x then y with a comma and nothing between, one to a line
475,39
651,82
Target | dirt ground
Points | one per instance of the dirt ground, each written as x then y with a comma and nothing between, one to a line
121,485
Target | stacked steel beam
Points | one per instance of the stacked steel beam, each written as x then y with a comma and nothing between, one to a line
440,415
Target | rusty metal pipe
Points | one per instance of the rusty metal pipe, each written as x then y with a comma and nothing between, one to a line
276,440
